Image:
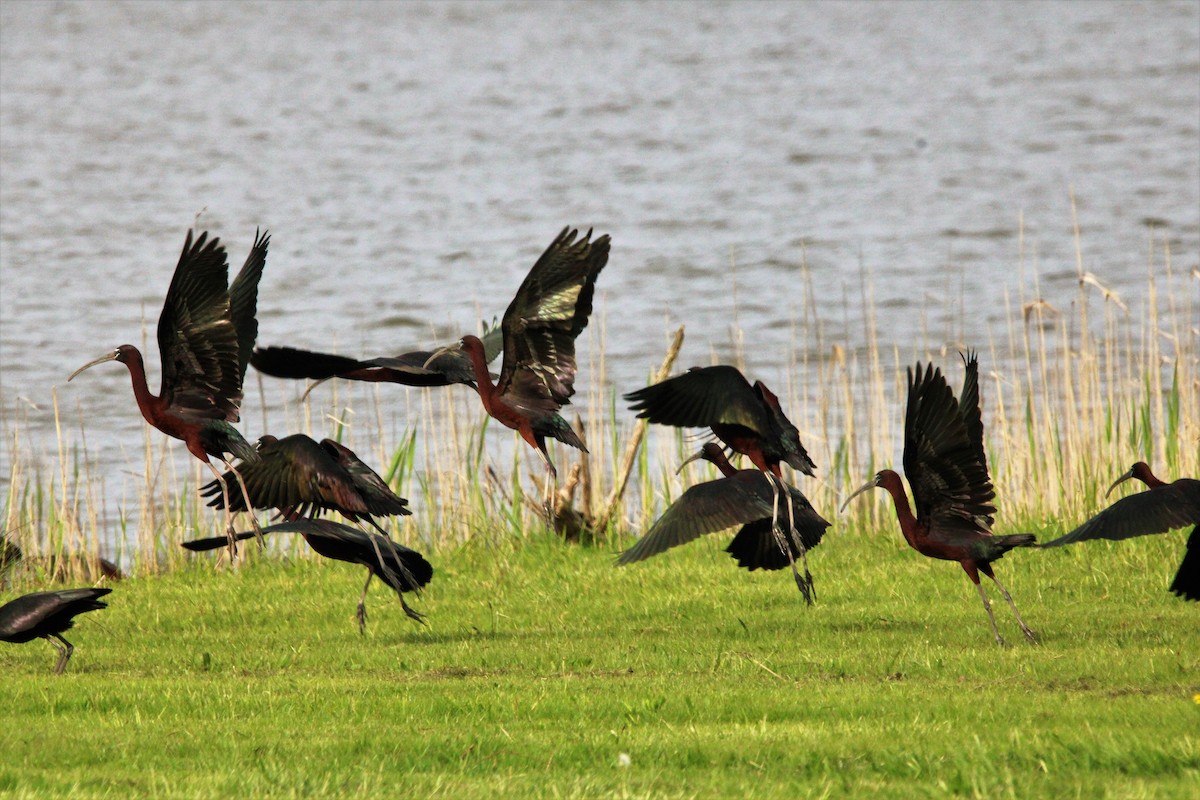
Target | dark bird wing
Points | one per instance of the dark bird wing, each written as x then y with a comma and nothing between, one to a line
951,489
548,311
704,508
378,497
41,613
197,342
293,474
703,397
243,300
970,407
293,363
755,546
1166,508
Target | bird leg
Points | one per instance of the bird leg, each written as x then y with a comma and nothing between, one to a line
548,494
230,531
262,543
781,539
362,605
987,606
812,589
1029,634
64,653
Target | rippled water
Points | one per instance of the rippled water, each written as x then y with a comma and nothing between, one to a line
412,161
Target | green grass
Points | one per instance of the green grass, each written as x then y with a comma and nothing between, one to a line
542,664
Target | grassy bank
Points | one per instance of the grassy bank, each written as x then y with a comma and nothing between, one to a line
544,668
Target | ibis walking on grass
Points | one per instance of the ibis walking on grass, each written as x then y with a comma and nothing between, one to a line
48,615
946,466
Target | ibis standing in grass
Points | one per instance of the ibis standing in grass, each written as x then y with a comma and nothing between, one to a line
946,466
48,615
1162,507
206,333
747,419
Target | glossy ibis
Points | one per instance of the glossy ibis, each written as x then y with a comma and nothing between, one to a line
1163,507
539,327
400,567
741,497
947,469
48,615
442,367
206,333
301,477
748,419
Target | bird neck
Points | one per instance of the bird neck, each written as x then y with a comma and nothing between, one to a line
904,515
483,379
148,403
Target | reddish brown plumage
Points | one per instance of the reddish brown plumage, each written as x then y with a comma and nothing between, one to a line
539,328
946,466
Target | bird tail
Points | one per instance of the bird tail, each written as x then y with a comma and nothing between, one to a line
999,545
1187,579
200,545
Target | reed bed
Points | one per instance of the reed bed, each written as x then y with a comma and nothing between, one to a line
1071,398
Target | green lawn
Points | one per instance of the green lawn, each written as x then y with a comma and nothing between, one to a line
544,668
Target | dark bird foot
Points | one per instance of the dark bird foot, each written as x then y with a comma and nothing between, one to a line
805,588
1030,635
413,614
362,619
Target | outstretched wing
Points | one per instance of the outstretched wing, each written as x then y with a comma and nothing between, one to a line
539,328
970,407
1166,508
951,489
703,397
704,508
197,342
243,300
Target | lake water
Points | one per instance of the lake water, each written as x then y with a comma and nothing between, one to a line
412,160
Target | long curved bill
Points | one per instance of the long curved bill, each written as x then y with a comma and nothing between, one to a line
1119,481
304,396
857,492
107,357
696,457
441,351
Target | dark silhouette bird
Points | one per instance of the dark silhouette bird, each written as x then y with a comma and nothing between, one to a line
441,367
206,333
741,497
48,615
1163,507
947,470
401,568
539,327
748,419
